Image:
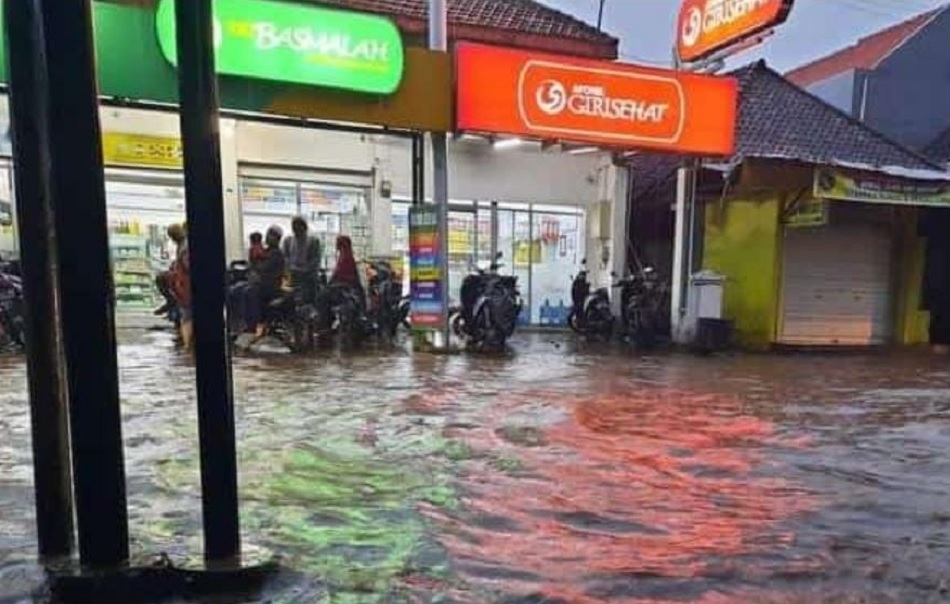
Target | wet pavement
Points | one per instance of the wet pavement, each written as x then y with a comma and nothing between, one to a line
554,474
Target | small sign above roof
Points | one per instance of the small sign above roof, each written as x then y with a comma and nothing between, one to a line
707,28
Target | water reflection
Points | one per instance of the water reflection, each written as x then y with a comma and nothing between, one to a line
550,475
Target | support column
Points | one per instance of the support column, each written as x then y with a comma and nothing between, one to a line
682,251
48,403
198,94
438,40
88,309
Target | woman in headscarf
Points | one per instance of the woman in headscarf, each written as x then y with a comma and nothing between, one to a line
346,272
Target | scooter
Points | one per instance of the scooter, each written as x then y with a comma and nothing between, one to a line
641,300
388,309
490,307
590,312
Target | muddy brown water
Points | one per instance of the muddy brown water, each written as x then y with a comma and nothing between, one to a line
558,473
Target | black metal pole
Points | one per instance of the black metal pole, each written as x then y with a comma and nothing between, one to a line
45,370
600,15
198,93
418,169
88,308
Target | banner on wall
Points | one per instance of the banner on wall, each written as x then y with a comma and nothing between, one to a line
425,273
142,150
520,93
845,185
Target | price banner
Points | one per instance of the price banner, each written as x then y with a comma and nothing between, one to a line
425,270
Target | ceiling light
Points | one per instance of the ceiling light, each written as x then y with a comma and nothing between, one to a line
507,143
582,150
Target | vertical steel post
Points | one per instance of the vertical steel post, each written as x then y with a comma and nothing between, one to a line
48,404
200,123
438,40
418,170
88,309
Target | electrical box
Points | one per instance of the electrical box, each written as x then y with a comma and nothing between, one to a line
601,220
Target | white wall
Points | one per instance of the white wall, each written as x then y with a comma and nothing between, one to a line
302,147
479,172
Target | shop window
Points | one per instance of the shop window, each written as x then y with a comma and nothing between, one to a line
330,210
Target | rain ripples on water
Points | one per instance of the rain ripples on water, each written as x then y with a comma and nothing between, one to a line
550,475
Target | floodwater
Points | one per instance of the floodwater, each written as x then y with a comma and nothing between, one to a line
552,475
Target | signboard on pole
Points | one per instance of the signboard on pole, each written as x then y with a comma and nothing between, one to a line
426,278
706,27
519,93
292,43
850,186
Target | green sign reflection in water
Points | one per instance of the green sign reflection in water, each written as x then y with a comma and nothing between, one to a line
298,44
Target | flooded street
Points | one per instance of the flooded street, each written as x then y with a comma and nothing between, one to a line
552,475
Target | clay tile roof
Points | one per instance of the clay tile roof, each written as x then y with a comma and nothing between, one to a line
866,54
515,16
779,120
939,149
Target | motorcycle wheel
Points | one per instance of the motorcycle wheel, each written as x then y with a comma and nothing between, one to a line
488,337
573,321
641,330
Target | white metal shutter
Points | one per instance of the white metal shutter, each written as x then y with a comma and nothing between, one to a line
836,286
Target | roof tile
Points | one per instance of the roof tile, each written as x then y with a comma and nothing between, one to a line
777,119
525,16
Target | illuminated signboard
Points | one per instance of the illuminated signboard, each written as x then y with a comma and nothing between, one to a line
519,93
298,44
706,27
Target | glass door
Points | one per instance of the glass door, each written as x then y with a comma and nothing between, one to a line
462,245
559,237
515,243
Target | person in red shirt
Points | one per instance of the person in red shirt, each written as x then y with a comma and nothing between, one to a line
345,272
256,252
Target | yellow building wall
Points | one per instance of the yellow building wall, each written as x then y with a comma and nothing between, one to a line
743,243
912,324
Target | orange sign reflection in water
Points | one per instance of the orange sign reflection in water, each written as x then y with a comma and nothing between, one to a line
708,26
506,91
645,486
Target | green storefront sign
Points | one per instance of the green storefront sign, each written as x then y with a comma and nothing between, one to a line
298,44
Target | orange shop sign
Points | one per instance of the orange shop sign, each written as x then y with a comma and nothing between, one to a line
505,91
708,26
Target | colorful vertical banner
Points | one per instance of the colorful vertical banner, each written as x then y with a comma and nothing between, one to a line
425,270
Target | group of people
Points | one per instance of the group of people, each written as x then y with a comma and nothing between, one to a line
274,262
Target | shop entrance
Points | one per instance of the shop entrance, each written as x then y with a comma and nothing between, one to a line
544,246
836,283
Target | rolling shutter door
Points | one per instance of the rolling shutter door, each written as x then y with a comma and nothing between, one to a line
836,286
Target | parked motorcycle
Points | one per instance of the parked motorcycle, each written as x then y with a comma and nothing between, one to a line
348,314
299,316
12,320
388,308
490,307
641,299
590,311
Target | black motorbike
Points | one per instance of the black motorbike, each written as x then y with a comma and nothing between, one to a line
590,311
12,321
299,316
388,308
641,300
491,304
348,314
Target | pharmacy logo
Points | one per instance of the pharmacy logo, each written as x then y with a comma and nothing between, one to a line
692,27
551,97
